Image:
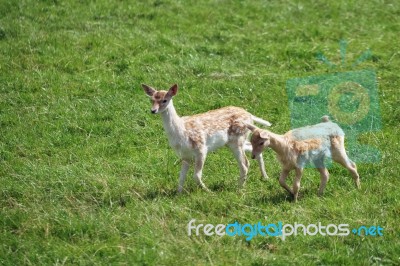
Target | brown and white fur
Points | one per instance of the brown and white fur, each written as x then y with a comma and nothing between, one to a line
303,145
192,137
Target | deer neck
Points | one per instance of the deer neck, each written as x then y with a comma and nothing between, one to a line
277,143
173,124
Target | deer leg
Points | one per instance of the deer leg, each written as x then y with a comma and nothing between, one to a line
260,161
240,156
324,179
339,155
296,183
198,170
282,180
182,175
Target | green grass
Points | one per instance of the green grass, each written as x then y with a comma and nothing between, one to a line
87,175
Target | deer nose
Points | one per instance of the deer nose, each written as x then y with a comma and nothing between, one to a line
154,111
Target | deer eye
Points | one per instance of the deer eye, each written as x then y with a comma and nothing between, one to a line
164,101
261,143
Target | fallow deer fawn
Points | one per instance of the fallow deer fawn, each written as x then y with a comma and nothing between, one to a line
192,137
311,144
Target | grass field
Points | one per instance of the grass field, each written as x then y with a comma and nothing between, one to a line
88,177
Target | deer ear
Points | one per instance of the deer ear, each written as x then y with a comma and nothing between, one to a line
173,90
148,90
251,127
264,134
